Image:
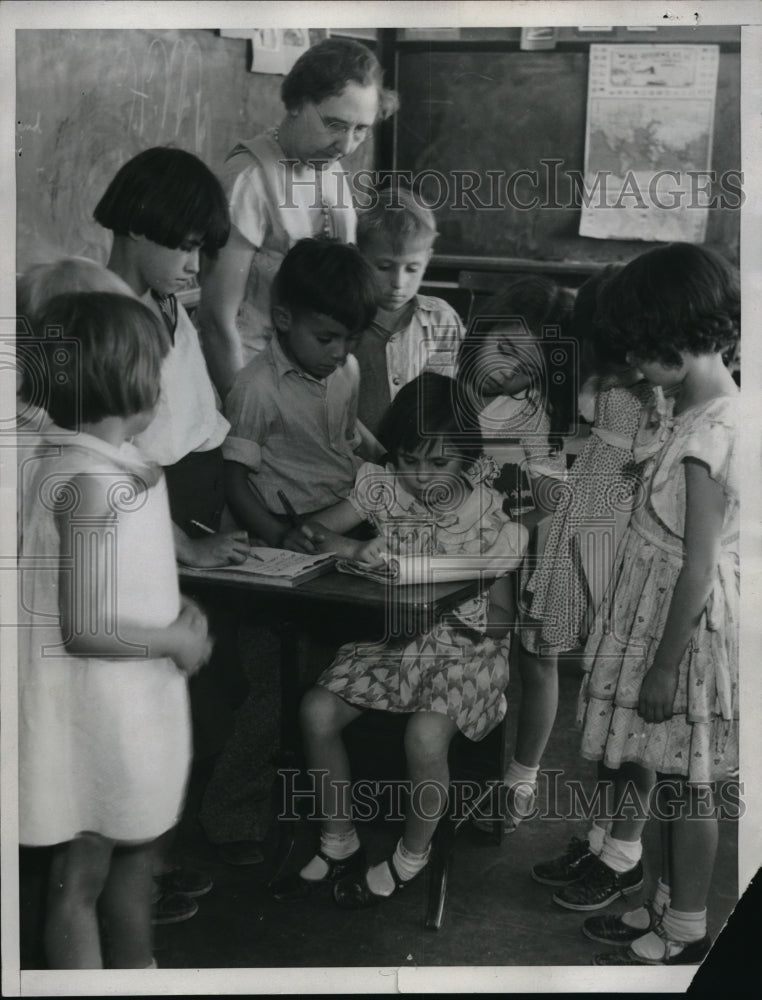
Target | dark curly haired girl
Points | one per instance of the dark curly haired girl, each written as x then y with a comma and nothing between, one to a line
672,299
660,692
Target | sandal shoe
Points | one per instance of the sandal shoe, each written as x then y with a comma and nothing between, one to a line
675,953
516,804
293,886
611,929
354,893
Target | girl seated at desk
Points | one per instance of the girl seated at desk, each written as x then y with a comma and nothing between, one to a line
432,498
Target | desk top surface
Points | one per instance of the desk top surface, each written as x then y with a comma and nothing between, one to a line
341,588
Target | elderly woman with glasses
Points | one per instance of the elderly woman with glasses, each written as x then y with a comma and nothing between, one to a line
284,185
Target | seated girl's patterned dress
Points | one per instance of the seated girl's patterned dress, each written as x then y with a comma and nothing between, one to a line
447,670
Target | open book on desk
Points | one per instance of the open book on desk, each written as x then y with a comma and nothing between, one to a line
401,570
277,567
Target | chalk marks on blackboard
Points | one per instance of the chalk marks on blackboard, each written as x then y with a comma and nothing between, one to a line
166,95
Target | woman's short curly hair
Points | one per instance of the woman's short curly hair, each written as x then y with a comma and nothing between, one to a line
325,69
670,300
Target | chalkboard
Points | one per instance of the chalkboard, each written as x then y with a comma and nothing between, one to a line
507,111
88,100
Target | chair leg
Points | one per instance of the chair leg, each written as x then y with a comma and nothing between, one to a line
287,828
286,842
439,867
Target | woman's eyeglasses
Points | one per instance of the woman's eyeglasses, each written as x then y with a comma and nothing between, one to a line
340,128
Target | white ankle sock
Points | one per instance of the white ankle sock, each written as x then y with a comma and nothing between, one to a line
336,846
684,927
662,896
679,927
408,864
641,918
522,781
595,837
519,774
620,855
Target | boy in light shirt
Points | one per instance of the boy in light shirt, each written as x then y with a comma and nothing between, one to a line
411,332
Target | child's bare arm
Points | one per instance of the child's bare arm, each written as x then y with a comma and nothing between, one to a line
329,528
704,514
86,596
223,287
340,518
247,507
370,448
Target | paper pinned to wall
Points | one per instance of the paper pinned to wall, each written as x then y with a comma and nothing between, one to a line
650,124
275,50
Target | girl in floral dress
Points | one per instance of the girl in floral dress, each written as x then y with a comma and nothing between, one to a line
661,686
433,498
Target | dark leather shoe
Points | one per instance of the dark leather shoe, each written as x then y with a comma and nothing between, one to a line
293,886
611,929
567,868
599,886
354,893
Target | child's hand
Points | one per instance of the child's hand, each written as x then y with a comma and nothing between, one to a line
221,549
372,553
303,538
657,695
193,644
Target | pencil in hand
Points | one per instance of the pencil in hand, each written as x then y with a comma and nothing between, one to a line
288,507
296,521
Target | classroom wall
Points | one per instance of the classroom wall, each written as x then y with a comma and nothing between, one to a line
88,100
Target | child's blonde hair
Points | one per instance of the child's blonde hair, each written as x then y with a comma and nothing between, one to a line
42,282
108,361
35,288
398,215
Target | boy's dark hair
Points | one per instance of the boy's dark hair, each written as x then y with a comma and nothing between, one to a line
114,369
426,409
328,277
325,69
537,303
672,299
398,215
167,195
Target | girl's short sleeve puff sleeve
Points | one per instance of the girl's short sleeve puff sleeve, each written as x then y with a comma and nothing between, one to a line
715,444
709,438
373,494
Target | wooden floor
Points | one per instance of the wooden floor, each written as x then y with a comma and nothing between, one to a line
495,914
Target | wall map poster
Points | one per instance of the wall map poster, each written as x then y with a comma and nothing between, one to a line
650,120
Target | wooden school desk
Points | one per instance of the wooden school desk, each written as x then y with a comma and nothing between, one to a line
359,608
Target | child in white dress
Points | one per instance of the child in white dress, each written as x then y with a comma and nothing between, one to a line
105,646
433,498
661,687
